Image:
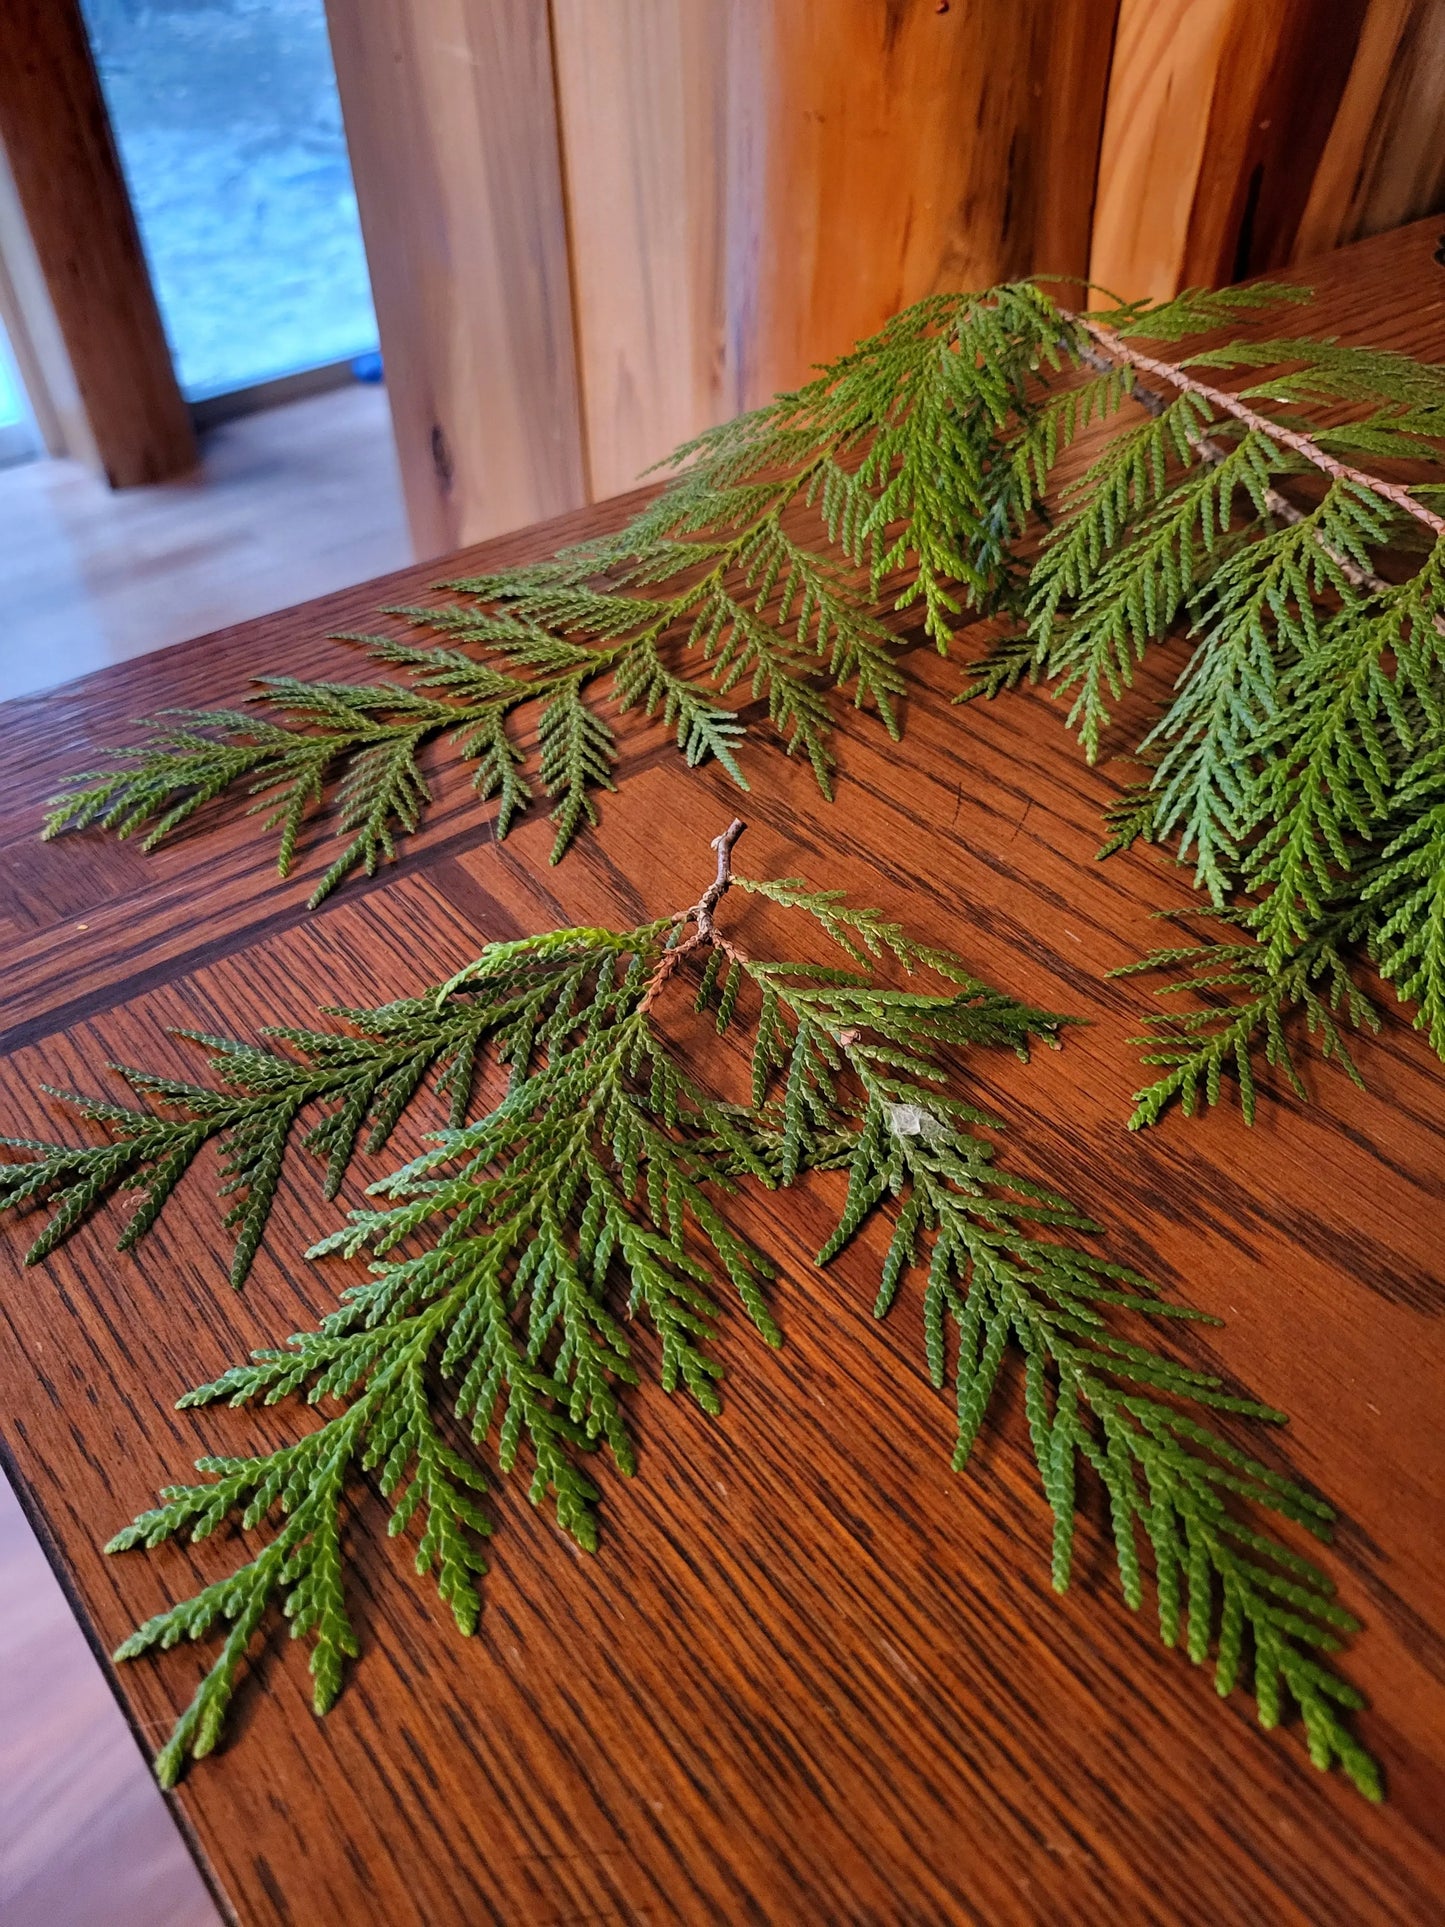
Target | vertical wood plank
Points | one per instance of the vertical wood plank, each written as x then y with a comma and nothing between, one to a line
1384,161
643,91
1239,138
911,148
755,183
450,117
69,187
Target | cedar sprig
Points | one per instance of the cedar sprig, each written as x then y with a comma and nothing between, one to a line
1245,1011
722,587
1098,1402
361,1078
510,1264
1299,741
1303,740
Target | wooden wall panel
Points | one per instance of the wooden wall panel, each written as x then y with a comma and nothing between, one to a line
596,226
450,117
1384,161
652,149
912,148
1166,56
752,184
1241,136
82,239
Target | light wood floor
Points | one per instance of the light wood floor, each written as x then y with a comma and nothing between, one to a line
289,504
86,1839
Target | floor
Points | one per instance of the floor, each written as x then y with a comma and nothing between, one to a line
288,504
85,1835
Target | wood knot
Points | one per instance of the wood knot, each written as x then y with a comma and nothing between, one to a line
441,457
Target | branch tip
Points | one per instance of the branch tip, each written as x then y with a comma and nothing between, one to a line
704,935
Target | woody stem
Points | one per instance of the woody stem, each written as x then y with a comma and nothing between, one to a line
1120,350
700,915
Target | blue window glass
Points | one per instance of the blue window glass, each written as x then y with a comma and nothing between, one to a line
12,402
18,437
229,128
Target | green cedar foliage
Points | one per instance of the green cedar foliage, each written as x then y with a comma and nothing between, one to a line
711,592
1296,765
360,1079
493,1330
1299,753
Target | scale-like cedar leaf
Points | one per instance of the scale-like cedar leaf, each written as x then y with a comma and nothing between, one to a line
914,472
509,1262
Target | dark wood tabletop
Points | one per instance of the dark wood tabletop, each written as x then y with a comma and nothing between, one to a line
810,1675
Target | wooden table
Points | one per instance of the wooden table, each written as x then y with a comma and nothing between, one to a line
811,1675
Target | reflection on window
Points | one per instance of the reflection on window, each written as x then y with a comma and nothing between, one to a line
229,127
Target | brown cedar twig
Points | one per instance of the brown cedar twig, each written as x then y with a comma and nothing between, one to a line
1120,350
1209,450
705,935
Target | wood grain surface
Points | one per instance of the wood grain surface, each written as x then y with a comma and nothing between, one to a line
597,226
1384,161
1239,137
810,1675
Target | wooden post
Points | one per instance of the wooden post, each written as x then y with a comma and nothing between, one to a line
451,122
35,338
70,189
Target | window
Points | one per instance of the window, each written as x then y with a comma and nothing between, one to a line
229,128
18,440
